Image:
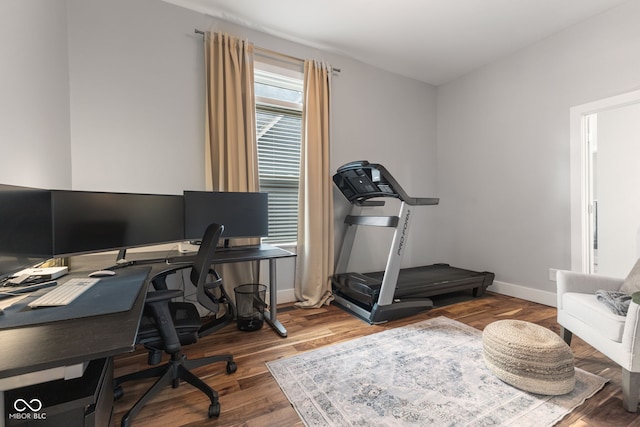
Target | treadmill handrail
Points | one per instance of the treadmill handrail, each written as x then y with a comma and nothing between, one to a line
412,201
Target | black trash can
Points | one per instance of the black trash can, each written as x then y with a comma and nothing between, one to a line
250,303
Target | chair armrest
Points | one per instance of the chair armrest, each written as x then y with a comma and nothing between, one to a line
631,334
159,281
162,295
157,302
631,326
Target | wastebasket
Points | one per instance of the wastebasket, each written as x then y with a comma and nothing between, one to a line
250,303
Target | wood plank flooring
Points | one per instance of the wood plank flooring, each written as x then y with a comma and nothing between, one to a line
251,397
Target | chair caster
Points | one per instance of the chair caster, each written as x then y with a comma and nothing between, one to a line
231,367
118,392
214,410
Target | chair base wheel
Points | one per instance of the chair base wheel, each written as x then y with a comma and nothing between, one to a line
231,367
214,410
118,392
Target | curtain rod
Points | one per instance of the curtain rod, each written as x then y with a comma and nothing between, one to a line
272,52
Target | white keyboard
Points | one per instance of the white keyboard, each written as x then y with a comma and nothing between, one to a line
65,293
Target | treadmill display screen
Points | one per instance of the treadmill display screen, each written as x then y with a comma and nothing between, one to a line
362,184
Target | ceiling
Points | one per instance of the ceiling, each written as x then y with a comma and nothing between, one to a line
434,41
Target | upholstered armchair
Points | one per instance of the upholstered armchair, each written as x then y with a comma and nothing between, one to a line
614,335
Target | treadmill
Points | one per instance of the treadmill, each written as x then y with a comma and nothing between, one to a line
394,293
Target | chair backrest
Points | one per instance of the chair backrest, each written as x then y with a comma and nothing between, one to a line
201,267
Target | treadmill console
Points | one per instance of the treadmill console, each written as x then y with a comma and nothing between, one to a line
361,180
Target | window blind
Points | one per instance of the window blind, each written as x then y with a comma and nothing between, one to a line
278,135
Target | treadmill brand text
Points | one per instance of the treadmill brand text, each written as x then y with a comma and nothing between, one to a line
404,231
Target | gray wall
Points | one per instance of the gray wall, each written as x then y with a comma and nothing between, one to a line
137,97
34,94
503,149
130,107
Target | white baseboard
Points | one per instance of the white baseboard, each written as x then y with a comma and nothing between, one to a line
523,292
284,296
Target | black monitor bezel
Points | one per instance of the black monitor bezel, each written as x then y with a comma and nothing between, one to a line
243,214
158,210
34,221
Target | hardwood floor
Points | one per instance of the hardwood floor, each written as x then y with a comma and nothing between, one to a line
251,397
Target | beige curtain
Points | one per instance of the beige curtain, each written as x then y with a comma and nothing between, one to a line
314,262
231,150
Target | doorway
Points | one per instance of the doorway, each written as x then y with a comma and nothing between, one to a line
605,185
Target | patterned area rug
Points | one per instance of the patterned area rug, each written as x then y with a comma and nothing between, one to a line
429,373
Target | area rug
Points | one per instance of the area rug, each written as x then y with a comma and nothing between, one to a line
430,373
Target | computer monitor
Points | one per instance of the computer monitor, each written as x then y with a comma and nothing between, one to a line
85,221
55,223
243,214
25,222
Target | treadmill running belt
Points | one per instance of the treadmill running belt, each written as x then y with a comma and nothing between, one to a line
415,282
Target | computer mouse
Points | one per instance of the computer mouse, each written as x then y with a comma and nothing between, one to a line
102,273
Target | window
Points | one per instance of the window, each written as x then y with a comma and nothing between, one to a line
279,131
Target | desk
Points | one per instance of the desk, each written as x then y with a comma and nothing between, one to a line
44,352
75,341
231,255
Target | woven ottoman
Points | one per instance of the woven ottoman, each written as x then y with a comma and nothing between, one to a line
529,357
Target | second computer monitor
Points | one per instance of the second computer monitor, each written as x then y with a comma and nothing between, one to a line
86,221
243,214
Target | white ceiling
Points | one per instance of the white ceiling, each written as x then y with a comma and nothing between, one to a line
433,41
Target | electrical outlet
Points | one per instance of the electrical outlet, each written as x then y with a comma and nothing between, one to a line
552,274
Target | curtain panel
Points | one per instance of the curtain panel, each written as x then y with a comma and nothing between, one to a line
314,263
232,156
230,137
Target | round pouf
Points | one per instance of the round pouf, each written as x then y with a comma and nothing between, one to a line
529,357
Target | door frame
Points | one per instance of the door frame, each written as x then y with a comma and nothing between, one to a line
580,176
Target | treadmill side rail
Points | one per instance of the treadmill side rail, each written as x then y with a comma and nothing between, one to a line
382,314
373,221
398,310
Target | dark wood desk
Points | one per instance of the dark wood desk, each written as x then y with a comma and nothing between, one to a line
43,346
44,352
47,351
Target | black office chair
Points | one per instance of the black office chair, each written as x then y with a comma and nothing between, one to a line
167,325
